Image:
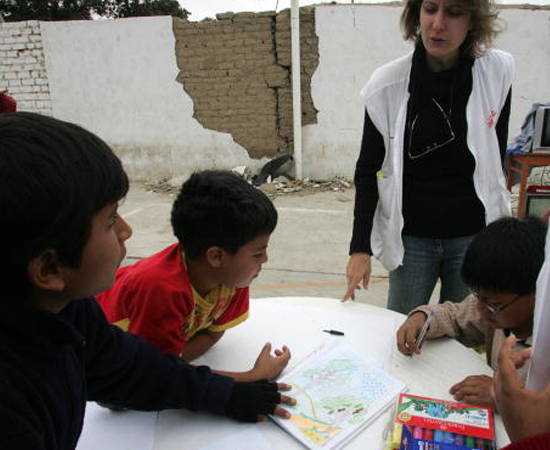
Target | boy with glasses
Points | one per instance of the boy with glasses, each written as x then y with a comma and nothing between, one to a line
501,268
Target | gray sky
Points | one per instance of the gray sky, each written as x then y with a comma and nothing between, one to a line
208,8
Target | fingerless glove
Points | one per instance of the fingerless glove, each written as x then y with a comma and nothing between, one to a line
247,400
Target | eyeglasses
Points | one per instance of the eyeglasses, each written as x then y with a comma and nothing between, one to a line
439,127
495,309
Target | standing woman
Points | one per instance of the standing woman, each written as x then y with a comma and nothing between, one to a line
429,175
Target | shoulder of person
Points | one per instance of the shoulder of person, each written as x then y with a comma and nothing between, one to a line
497,57
394,72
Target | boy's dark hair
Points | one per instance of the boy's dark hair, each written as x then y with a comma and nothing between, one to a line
54,177
506,257
218,208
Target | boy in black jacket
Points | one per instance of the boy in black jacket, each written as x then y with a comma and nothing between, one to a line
61,242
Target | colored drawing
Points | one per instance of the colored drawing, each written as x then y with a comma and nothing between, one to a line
338,392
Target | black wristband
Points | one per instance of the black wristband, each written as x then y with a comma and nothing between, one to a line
247,400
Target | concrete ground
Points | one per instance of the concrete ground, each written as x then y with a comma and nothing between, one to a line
308,251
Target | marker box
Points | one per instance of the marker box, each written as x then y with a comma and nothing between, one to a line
433,424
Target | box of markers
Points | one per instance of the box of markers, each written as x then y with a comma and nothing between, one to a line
431,424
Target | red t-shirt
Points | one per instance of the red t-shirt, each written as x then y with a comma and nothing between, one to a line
540,442
154,299
7,103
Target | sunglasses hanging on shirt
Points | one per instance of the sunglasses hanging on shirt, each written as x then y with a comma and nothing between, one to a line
429,125
429,130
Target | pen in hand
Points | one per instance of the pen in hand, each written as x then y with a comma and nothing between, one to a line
335,332
424,331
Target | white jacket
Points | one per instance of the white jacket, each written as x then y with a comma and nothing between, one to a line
386,96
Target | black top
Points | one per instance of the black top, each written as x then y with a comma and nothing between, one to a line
51,364
439,198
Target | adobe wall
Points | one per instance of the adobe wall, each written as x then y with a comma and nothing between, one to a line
237,71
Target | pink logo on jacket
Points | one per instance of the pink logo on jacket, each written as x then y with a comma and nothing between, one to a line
491,119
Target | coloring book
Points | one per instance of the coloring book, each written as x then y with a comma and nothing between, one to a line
338,393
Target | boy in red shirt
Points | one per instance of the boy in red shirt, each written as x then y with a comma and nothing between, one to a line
183,298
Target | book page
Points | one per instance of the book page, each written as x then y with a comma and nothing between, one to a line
338,393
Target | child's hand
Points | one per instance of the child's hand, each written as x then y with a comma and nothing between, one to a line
268,366
408,333
251,402
474,390
524,413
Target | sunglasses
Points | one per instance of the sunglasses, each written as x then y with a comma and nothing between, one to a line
442,133
492,308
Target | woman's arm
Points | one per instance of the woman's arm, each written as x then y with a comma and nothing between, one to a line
502,126
366,198
368,164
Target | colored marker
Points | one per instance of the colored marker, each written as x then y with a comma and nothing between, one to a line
396,436
335,332
438,436
448,437
428,434
459,439
418,433
470,442
480,444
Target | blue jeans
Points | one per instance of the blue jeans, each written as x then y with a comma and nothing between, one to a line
426,260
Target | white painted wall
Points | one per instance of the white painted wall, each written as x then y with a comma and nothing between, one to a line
353,41
527,37
356,39
117,78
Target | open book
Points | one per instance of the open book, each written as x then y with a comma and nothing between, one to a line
338,392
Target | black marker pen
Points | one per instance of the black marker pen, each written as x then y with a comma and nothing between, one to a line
335,332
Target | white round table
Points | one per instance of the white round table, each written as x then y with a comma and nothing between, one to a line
299,323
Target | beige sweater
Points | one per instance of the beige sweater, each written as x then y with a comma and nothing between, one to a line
463,322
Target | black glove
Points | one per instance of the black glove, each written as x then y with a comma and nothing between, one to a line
247,400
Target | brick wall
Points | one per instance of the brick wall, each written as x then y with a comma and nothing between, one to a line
22,66
237,71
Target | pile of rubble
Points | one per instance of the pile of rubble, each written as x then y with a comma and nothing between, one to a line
284,186
280,185
276,177
161,186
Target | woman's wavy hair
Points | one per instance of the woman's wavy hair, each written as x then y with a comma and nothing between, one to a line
486,25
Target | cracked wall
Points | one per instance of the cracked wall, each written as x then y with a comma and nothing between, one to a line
237,71
118,79
22,66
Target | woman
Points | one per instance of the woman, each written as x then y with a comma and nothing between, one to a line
429,175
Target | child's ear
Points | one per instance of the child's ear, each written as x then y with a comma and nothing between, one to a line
46,272
215,256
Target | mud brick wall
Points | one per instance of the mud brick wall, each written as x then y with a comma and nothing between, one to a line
237,71
22,66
